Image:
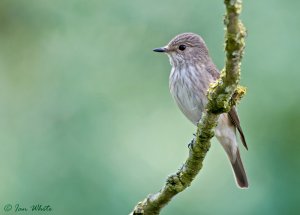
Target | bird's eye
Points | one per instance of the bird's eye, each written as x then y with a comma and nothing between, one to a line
182,47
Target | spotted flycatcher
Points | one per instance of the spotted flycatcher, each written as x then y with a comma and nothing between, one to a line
192,72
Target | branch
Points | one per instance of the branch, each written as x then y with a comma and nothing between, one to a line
222,95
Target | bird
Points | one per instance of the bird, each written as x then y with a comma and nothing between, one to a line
191,75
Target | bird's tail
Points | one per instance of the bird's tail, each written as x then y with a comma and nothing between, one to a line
239,171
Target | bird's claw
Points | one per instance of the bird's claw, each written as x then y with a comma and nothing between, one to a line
191,145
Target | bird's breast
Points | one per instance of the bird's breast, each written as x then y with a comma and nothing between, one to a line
188,86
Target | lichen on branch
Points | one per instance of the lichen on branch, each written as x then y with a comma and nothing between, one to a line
222,95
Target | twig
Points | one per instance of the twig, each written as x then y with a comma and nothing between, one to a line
220,100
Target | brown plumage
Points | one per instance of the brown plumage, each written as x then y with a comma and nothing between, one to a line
192,72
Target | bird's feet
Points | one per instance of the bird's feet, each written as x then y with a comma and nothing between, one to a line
191,144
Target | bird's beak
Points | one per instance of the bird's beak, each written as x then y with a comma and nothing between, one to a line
162,49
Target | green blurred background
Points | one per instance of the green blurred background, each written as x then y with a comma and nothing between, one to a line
87,123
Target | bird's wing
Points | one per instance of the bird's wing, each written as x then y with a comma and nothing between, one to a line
233,116
212,69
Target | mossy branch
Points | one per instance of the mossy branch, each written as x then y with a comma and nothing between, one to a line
222,95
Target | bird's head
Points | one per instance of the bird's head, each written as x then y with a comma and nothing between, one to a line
185,48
